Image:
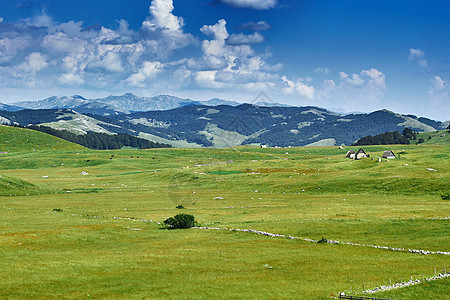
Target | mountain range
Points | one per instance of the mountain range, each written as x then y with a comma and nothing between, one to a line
123,104
194,125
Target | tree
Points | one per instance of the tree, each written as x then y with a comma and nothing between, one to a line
180,221
408,133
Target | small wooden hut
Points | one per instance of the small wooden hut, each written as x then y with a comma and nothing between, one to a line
361,153
351,154
388,154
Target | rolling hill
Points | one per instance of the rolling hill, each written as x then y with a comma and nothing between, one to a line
13,139
224,125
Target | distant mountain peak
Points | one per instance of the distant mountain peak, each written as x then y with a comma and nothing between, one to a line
78,97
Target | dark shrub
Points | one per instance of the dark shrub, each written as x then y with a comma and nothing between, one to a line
179,206
180,221
445,196
322,241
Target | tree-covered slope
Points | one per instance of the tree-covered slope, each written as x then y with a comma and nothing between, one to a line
223,125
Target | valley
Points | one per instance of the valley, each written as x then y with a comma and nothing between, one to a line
77,222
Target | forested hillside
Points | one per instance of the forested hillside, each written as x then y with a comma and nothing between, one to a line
223,125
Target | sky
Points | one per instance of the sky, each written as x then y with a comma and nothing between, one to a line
345,55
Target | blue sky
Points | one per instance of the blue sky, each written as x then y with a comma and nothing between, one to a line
351,55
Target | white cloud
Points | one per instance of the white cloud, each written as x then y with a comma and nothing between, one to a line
161,10
416,55
217,31
363,91
34,63
376,79
354,79
327,89
109,62
148,70
299,87
162,32
438,83
439,97
1,20
244,39
42,20
320,70
229,61
255,4
70,79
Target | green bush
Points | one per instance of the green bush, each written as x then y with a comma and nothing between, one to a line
179,206
446,196
180,221
322,241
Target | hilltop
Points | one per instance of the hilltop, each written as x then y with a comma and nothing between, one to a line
13,139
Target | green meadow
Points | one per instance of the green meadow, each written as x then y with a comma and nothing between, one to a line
80,223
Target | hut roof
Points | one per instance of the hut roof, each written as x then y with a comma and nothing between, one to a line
361,150
388,153
349,153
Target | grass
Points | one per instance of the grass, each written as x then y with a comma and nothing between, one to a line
14,139
63,240
428,290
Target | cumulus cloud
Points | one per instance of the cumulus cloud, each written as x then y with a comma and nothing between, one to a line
161,10
376,80
438,83
417,55
34,63
217,31
438,91
255,26
162,32
110,62
255,4
244,39
40,52
229,61
360,91
354,79
70,79
40,47
148,70
299,87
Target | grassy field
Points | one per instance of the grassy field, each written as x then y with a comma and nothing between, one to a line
76,222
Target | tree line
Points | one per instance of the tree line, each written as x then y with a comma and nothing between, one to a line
100,141
388,138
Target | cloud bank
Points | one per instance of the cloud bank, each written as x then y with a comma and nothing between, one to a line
41,53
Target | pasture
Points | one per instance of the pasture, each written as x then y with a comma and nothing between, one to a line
80,223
